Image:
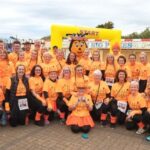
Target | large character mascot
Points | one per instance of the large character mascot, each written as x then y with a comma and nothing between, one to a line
77,44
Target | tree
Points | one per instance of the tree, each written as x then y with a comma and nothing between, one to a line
107,25
143,35
46,38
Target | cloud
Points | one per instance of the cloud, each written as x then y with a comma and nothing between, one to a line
32,19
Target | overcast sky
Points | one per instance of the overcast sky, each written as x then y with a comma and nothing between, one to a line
33,18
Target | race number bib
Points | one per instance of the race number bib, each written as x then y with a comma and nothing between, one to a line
98,105
23,104
109,81
122,106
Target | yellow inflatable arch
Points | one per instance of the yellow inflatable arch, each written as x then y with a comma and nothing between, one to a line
60,31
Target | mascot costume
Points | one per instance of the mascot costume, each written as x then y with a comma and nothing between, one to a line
77,44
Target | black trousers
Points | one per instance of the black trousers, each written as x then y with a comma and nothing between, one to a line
96,113
112,108
61,105
117,113
146,118
142,85
130,125
36,106
17,116
77,129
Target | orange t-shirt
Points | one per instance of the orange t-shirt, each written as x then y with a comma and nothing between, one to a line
100,90
24,63
13,57
21,90
60,64
147,98
135,70
32,63
110,71
148,104
65,86
50,87
1,96
47,67
126,68
86,63
94,66
72,69
27,56
120,92
116,57
144,71
79,80
36,84
136,102
81,109
6,71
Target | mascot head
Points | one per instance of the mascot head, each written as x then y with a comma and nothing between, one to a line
78,45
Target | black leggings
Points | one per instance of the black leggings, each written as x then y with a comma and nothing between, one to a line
77,129
130,125
146,118
17,116
142,85
61,105
35,104
95,113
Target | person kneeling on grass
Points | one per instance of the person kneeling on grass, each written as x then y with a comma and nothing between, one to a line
80,104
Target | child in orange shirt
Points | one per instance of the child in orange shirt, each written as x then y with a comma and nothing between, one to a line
80,104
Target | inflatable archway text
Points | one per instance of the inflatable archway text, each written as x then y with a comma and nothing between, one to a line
60,31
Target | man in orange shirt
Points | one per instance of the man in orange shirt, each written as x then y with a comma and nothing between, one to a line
134,67
13,57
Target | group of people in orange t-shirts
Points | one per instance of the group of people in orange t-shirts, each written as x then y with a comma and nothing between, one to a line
39,85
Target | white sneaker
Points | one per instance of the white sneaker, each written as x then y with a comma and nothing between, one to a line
46,122
140,131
